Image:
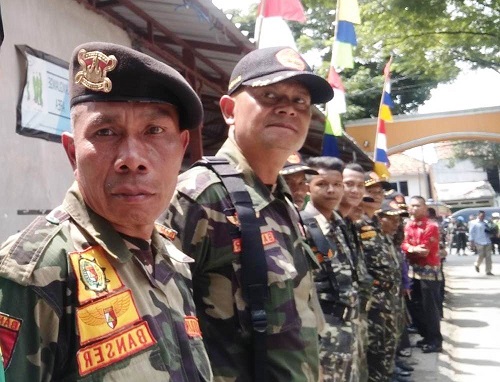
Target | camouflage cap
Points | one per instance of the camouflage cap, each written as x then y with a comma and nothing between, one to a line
371,179
106,72
268,66
295,164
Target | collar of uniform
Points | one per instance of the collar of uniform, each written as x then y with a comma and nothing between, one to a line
260,194
323,222
95,225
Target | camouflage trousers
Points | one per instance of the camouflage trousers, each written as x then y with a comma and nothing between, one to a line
338,351
383,337
361,368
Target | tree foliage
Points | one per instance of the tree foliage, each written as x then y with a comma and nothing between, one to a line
483,154
428,39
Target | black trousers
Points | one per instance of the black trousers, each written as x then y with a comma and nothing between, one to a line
424,309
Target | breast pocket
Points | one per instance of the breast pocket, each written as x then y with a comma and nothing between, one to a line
282,314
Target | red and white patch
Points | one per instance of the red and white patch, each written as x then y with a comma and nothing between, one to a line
192,326
9,333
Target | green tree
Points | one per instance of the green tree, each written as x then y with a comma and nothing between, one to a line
483,154
429,40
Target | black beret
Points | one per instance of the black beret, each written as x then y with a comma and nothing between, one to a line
268,66
106,72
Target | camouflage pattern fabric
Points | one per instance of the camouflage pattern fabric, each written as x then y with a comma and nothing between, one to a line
90,310
365,281
385,305
208,227
339,348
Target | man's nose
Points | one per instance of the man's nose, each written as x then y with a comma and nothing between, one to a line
131,156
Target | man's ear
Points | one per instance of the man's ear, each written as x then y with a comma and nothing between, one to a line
68,143
226,104
185,138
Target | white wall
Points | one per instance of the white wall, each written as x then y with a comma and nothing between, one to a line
35,173
463,171
417,184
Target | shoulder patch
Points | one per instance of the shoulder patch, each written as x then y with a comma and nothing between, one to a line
9,333
166,232
23,255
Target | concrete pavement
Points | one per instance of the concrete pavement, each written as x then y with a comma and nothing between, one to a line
470,328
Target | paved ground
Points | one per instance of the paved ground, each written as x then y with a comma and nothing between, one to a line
471,327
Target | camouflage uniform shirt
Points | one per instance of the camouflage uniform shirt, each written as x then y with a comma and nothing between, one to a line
337,288
209,230
383,265
80,303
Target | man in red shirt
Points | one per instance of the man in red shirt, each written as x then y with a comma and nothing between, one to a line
421,244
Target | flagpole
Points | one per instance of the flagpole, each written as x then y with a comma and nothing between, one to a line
259,20
386,77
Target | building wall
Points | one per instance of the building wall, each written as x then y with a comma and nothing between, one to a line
417,184
36,173
462,171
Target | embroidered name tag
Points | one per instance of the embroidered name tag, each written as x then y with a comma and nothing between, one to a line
192,327
9,333
101,318
268,238
114,348
96,276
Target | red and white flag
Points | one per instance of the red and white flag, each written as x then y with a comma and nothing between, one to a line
271,28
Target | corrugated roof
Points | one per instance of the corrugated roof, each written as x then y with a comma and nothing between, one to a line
198,40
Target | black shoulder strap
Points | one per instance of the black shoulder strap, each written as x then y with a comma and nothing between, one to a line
253,260
323,245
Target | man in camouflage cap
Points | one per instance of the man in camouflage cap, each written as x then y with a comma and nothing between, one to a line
268,110
94,290
384,266
294,172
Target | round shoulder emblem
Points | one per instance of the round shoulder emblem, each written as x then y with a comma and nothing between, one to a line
93,276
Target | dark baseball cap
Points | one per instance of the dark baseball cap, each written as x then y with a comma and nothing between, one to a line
106,72
371,179
398,197
268,66
295,164
391,208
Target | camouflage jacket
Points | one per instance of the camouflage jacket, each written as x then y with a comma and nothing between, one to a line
77,305
209,232
383,264
340,260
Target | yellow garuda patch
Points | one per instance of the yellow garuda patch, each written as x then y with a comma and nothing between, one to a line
95,274
114,348
367,235
110,314
367,228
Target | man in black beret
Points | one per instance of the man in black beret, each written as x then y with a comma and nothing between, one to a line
96,290
268,329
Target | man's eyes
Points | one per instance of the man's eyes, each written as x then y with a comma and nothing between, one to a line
105,132
155,130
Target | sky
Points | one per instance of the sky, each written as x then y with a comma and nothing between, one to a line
470,90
